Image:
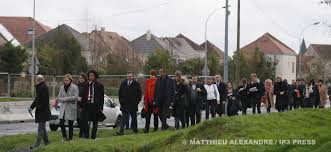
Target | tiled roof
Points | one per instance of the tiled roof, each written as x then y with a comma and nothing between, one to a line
19,27
323,50
268,44
189,41
213,48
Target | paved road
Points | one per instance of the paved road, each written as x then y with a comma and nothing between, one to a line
30,127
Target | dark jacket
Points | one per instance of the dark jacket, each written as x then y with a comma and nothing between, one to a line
164,91
255,94
281,100
201,96
233,104
81,109
94,109
182,96
129,96
243,95
222,90
41,103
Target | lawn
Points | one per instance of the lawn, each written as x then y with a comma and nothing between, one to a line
7,99
301,130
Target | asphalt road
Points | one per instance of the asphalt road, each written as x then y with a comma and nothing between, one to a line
31,127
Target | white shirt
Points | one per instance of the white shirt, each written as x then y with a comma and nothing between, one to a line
212,92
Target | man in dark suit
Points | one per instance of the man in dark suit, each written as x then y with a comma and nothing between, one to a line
129,96
254,90
197,93
43,112
95,101
221,86
164,96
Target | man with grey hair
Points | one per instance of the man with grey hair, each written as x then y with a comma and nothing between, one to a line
43,112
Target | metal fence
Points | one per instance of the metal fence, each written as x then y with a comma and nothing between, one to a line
19,85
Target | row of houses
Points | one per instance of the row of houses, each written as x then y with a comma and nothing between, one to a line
97,44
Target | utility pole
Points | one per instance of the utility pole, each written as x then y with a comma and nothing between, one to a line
226,70
238,46
33,63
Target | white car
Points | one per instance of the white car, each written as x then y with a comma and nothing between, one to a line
110,109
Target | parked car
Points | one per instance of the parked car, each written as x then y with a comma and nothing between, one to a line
111,110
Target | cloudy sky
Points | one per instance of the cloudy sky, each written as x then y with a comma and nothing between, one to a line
285,19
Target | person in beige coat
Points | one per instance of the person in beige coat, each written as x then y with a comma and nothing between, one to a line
268,98
68,97
323,93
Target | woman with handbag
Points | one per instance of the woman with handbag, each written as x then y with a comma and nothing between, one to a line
149,105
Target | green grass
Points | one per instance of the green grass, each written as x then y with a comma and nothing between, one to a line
7,99
313,124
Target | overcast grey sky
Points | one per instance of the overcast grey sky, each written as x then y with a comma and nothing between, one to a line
285,19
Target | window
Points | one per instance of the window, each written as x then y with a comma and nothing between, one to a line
293,67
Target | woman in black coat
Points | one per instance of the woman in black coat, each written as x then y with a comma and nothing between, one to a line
281,92
81,109
232,99
181,100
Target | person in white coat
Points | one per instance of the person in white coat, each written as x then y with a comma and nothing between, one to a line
213,98
68,97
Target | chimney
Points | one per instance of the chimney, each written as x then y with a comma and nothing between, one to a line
103,29
148,35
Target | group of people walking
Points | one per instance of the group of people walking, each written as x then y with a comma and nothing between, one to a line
165,97
82,103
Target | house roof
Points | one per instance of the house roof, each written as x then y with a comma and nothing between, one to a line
189,41
142,45
269,44
114,41
67,30
213,48
19,26
323,50
182,48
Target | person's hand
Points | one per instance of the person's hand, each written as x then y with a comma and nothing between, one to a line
281,93
198,90
218,102
79,99
30,110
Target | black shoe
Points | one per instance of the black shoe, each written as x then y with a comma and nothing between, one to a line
135,131
118,134
146,131
47,143
155,129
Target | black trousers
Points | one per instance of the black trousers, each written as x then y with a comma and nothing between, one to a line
163,110
179,116
63,129
211,108
297,102
125,115
42,134
245,104
148,118
256,105
193,114
83,128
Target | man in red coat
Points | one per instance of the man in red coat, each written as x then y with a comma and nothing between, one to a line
149,104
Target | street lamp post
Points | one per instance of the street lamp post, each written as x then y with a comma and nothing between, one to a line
227,13
33,48
300,40
205,72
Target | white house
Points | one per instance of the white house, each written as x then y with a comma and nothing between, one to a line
275,49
